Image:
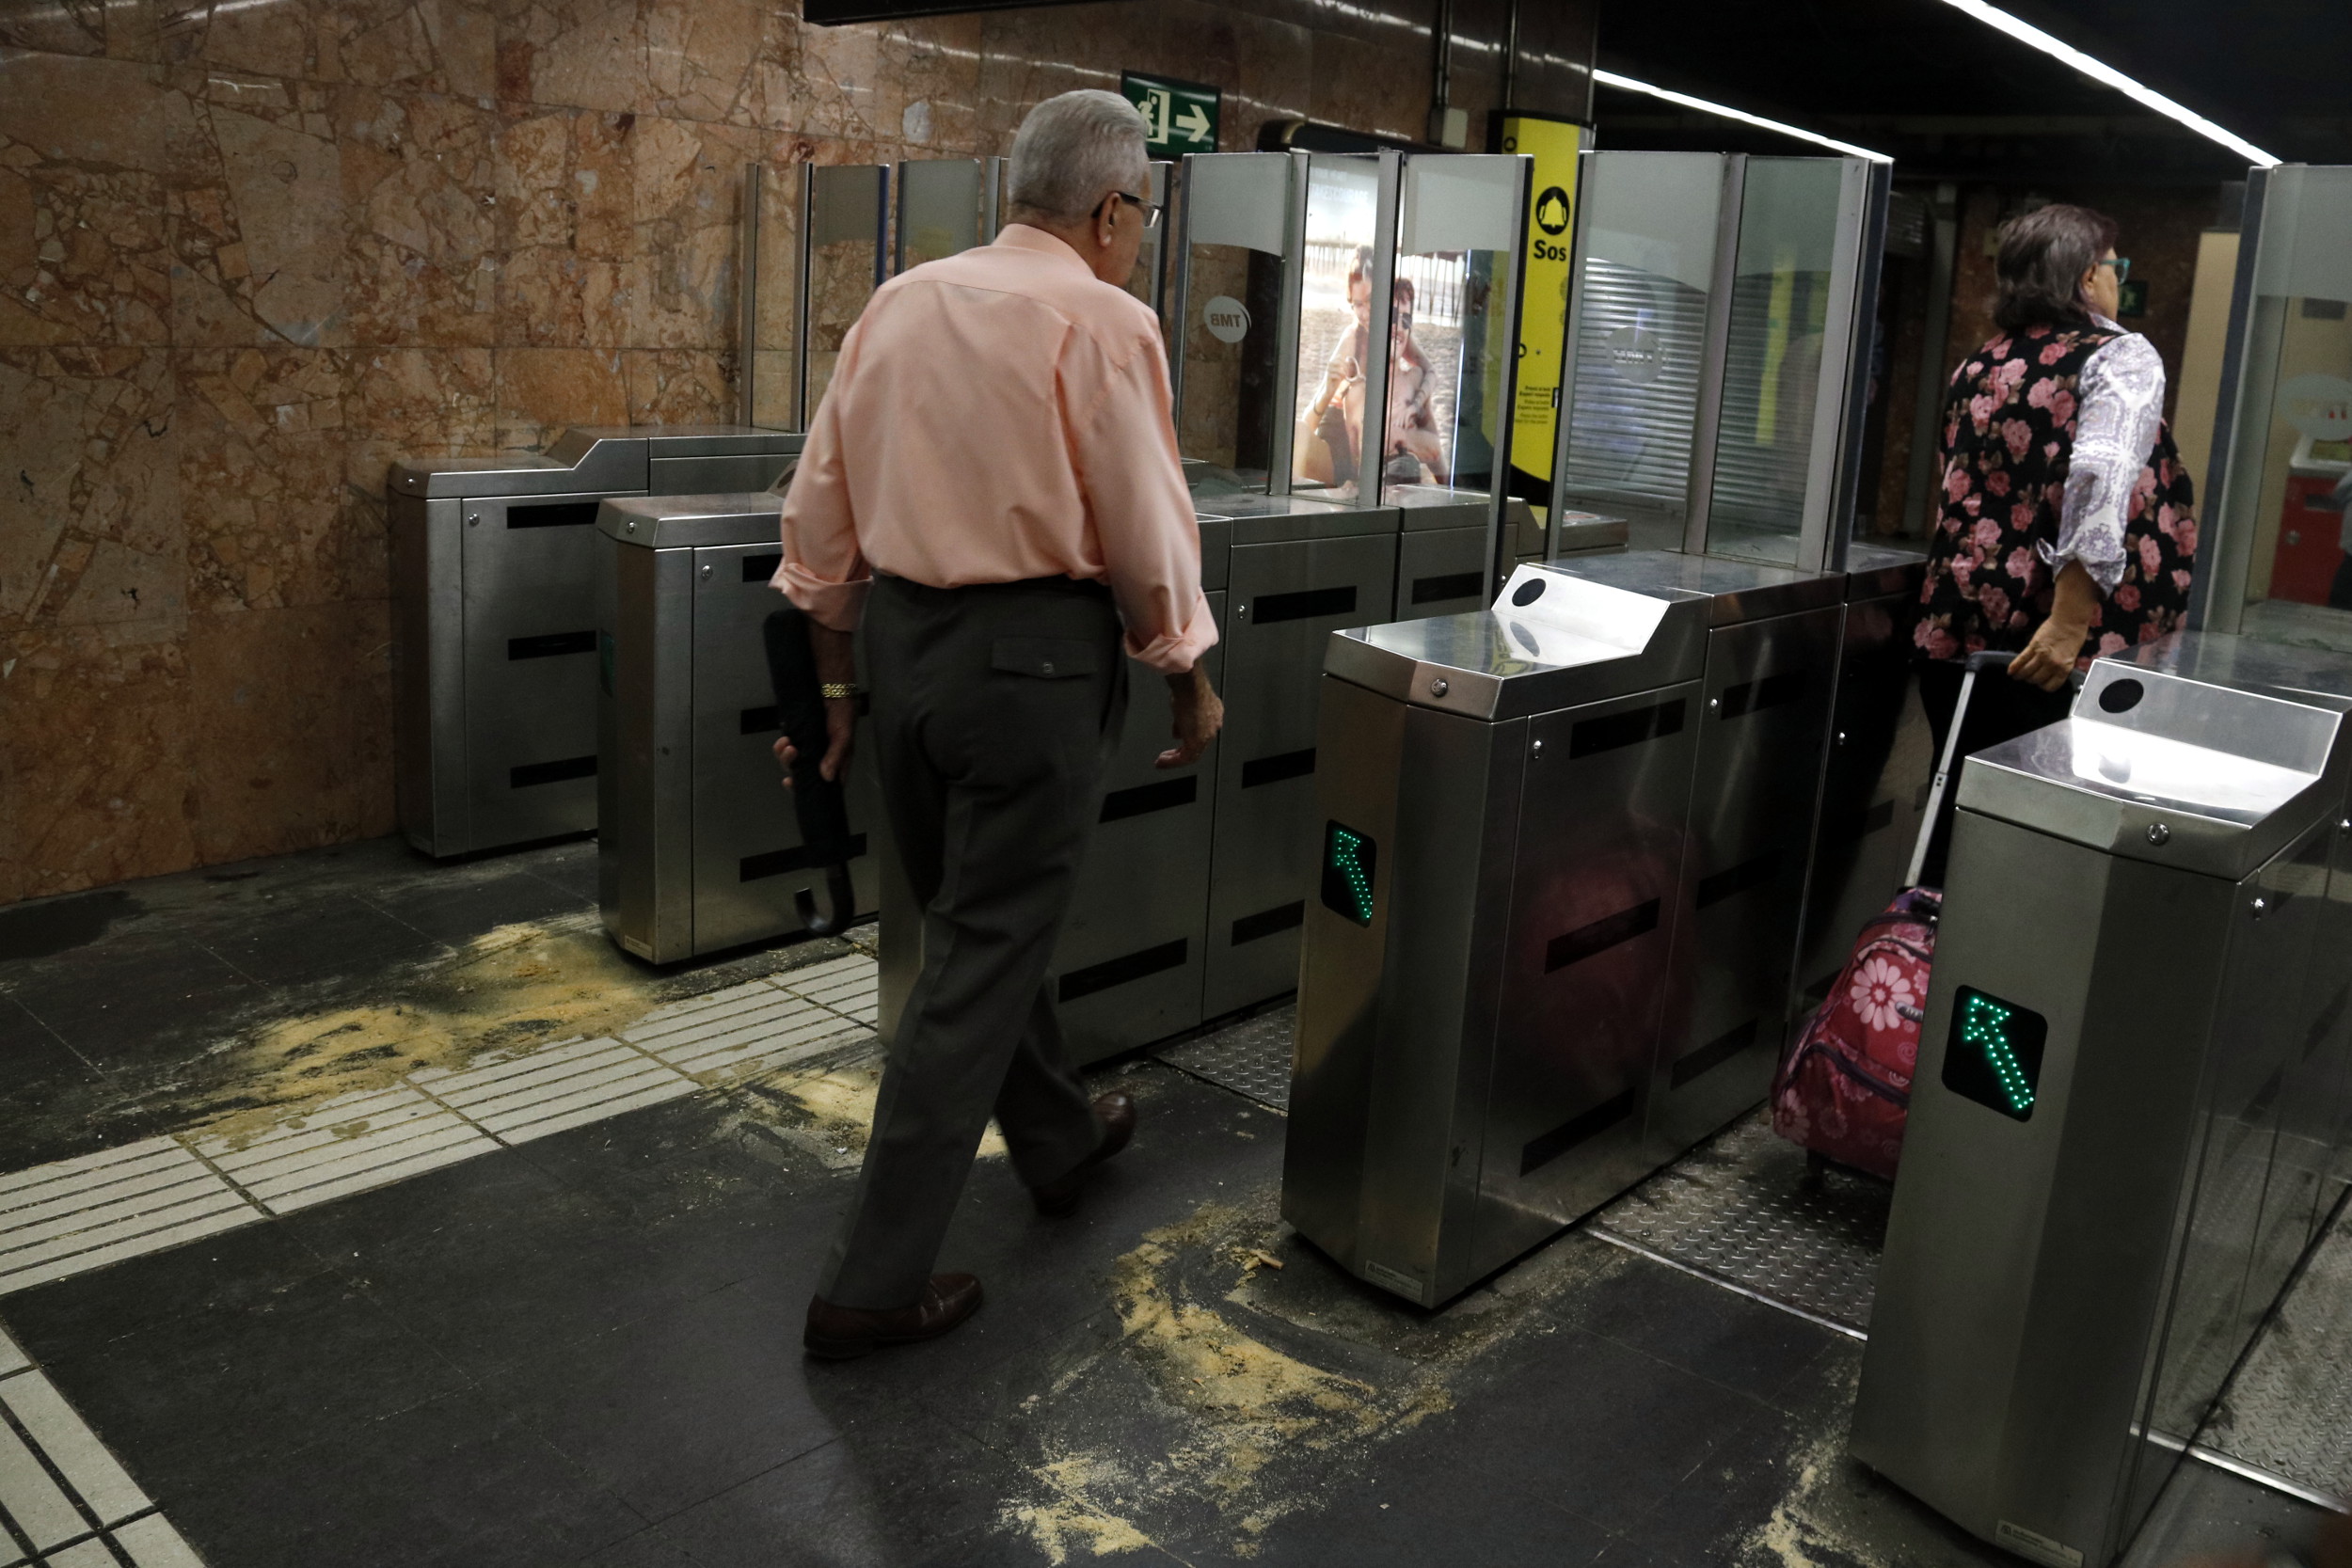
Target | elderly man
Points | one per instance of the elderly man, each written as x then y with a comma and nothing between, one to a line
992,481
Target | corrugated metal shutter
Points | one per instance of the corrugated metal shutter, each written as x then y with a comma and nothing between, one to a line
1637,386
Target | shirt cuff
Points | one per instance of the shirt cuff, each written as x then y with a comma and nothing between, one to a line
1173,653
2105,573
835,605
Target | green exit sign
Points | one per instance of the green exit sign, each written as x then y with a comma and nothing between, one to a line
1179,117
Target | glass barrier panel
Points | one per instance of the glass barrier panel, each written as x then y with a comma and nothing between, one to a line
775,293
1236,220
1334,315
846,209
939,210
1145,281
1450,359
2280,516
1772,360
1645,270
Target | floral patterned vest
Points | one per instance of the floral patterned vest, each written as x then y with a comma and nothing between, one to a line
2008,431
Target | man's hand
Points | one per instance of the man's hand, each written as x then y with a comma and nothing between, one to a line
837,665
841,733
2048,659
1199,716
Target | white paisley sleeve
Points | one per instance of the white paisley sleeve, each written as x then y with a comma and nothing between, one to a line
2119,405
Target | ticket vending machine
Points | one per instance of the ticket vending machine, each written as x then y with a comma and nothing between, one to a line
1551,885
493,569
2093,1216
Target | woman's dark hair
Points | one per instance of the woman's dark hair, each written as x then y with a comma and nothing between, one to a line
2042,257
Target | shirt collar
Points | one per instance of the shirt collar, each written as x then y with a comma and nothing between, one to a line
1022,236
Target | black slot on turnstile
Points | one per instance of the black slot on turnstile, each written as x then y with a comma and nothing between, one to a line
550,773
1456,585
551,645
1305,604
553,514
759,568
1118,971
1143,799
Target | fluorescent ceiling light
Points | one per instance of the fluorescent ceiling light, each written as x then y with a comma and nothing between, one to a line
1611,79
2107,76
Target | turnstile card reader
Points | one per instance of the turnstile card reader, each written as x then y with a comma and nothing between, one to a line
493,566
2084,1238
1561,863
697,847
1500,800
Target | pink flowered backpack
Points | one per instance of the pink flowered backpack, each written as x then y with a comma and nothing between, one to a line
1844,1087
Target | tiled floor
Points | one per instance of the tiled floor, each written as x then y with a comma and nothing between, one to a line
566,1330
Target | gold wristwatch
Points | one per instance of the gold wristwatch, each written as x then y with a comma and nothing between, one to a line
838,688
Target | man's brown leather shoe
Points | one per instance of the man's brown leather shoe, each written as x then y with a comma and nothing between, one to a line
1058,1200
841,1333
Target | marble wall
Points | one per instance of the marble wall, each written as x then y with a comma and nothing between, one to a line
251,249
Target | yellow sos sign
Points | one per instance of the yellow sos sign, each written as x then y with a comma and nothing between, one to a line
1554,145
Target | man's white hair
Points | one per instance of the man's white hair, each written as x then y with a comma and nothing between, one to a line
1074,151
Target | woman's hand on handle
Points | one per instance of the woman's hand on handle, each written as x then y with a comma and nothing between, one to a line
2048,659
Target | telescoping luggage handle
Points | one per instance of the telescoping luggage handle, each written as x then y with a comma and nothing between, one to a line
1989,659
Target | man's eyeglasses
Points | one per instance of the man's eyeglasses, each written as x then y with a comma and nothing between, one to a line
2123,265
1150,210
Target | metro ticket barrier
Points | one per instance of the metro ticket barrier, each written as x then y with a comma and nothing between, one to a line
1514,863
493,566
697,847
2088,1231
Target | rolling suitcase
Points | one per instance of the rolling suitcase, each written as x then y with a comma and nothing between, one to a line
1843,1091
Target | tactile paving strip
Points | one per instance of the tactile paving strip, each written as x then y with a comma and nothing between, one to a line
2289,1409
1252,1057
1745,1209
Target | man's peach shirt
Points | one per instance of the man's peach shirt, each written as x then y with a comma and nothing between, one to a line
999,415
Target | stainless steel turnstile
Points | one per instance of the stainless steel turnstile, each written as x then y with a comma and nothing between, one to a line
1762,729
1874,787
493,564
2094,1213
1300,570
1443,550
1501,805
1550,943
697,847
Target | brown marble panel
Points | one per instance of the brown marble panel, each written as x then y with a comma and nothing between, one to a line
94,727
686,185
573,53
419,180
90,526
260,231
289,729
262,435
446,47
679,385
1275,72
543,390
1029,55
917,85
704,58
402,402
271,38
1368,87
565,186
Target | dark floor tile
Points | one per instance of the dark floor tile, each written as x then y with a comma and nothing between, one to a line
196,1402
37,1068
881,1497
472,903
238,1271
446,1484
647,1549
677,1407
571,868
1686,1321
1730,1495
494,1261
1598,1429
306,937
1412,1511
2208,1516
131,1000
41,928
